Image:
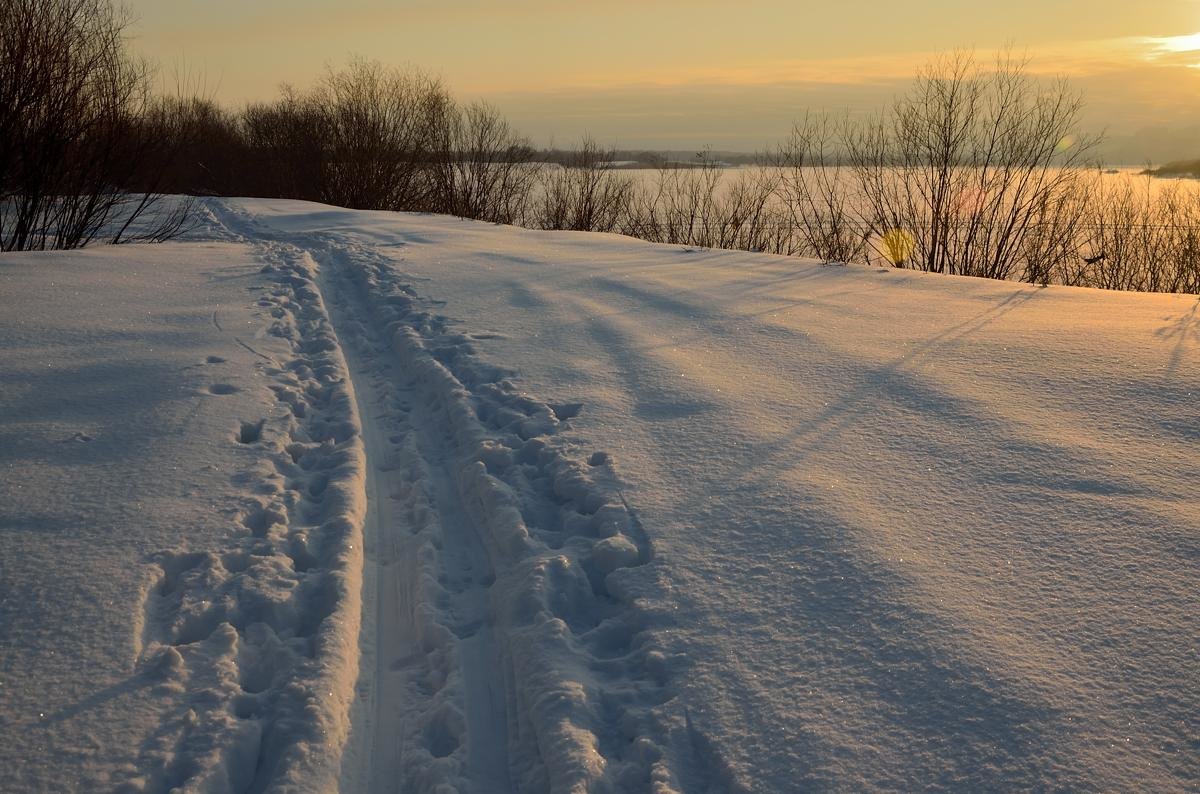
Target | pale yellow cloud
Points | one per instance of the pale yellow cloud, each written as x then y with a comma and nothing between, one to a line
1174,50
1069,58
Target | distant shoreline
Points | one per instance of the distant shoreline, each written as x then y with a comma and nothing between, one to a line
1187,169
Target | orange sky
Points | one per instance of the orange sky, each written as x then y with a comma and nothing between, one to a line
673,74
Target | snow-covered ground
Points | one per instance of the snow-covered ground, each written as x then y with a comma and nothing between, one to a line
321,499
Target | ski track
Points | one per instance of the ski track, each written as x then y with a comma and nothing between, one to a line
261,636
502,647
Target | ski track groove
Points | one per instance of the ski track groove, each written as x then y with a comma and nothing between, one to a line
395,412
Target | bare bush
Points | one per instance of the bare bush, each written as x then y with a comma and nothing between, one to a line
822,214
77,129
680,204
969,164
690,204
483,169
1055,244
976,171
286,146
382,127
747,216
365,137
210,153
585,193
1136,238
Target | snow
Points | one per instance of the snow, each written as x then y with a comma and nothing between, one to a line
181,505
327,499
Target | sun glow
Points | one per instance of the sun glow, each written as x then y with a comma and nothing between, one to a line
1175,49
1179,43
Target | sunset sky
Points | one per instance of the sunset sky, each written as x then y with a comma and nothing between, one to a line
683,74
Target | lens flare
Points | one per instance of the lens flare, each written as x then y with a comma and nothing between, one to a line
898,245
970,201
1064,143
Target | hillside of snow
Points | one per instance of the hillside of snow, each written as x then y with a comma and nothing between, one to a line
319,500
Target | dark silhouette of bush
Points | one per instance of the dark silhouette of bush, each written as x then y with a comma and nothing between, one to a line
584,193
78,129
483,168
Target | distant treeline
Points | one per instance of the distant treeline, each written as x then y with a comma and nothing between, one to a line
979,170
1189,169
650,158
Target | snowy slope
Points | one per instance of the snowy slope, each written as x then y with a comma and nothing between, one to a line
179,520
613,517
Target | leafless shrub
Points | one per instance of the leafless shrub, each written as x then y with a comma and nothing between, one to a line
77,128
747,215
585,194
691,205
1137,238
815,190
483,169
365,137
210,152
286,146
678,205
1052,246
968,165
382,127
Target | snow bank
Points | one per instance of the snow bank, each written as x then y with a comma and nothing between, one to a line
909,531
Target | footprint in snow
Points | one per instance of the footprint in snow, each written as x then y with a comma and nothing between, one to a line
250,432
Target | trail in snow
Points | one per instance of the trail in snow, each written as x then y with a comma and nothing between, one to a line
502,647
259,634
914,530
403,440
